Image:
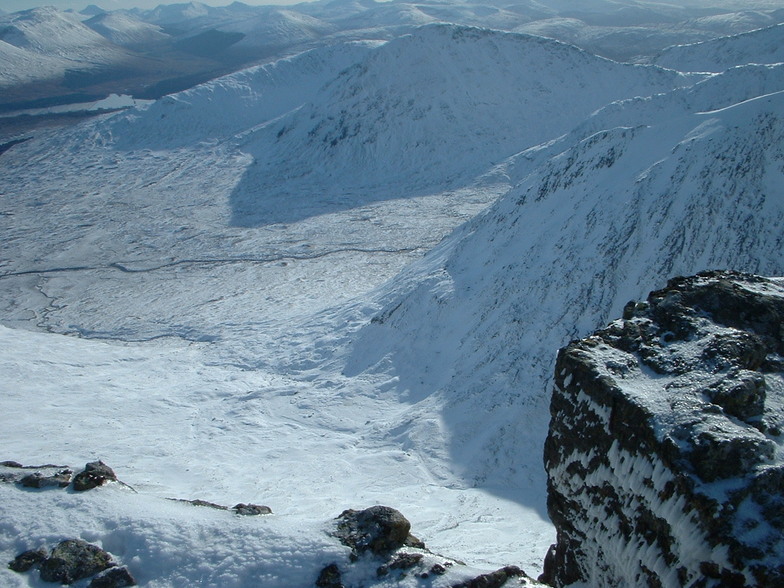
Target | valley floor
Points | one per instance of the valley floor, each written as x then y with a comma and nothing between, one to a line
205,361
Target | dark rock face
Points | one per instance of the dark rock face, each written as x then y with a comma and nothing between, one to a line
663,455
330,577
494,579
378,529
403,561
60,479
74,559
95,473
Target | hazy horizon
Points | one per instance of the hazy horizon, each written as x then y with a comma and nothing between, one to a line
16,5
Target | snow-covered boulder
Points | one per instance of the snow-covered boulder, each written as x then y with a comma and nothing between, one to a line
664,452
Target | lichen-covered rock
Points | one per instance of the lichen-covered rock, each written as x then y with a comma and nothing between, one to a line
378,529
95,473
28,559
74,559
664,452
113,578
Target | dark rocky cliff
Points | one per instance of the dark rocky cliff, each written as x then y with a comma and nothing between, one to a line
664,454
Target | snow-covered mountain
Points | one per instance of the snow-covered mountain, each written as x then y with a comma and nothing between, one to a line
278,28
175,14
53,33
287,133
760,46
44,48
432,108
238,271
202,42
125,30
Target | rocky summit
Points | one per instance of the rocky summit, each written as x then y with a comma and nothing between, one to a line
664,454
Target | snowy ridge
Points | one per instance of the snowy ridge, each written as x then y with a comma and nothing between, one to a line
234,104
437,106
169,14
760,46
466,98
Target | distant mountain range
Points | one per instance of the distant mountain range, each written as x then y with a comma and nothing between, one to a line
53,57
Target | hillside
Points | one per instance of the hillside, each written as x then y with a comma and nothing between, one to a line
597,219
434,108
760,46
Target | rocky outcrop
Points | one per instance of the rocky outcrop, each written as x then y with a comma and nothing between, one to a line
251,509
72,560
95,473
381,535
113,578
378,529
664,454
330,577
495,579
27,560
60,479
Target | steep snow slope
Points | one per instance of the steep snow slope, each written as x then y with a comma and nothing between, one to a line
597,219
125,30
761,46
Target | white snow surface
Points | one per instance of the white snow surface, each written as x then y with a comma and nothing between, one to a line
215,294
